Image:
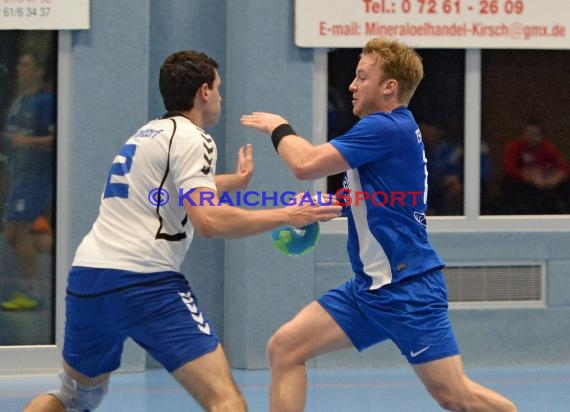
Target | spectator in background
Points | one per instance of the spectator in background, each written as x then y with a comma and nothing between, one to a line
445,172
29,136
536,174
4,101
488,198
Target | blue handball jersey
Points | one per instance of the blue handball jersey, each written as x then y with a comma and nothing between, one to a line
387,189
33,115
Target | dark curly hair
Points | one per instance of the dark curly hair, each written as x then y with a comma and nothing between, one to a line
181,75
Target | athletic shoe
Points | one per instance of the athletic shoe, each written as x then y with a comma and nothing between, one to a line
21,302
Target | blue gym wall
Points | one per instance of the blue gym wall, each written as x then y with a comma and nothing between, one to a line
244,286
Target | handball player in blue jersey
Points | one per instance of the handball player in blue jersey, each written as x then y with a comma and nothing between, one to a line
398,291
125,280
29,135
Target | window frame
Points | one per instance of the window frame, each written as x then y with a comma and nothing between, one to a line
26,359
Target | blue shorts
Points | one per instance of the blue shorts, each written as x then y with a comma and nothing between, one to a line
412,313
29,199
159,312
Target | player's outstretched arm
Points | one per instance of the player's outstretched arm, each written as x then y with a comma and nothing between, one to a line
34,142
212,219
305,160
244,171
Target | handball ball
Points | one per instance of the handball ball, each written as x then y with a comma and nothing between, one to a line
292,241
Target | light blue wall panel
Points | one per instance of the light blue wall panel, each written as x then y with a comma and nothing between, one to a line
194,25
109,98
558,283
265,72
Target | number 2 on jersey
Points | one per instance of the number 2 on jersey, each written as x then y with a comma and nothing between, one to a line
120,169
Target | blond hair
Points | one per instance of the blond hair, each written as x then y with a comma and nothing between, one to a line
399,62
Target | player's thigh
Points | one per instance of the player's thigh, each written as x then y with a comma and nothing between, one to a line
208,377
84,379
313,331
414,315
17,230
167,321
93,340
44,402
445,375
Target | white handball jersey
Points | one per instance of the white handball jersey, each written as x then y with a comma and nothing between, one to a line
141,226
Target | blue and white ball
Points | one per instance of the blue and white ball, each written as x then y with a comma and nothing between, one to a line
293,241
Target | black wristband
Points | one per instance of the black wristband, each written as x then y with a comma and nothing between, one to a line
280,132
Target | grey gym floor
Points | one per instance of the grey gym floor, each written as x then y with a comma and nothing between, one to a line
533,389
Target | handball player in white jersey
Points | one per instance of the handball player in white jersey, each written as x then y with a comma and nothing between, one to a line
397,292
125,279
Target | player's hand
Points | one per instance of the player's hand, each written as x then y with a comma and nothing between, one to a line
262,122
307,210
245,164
20,140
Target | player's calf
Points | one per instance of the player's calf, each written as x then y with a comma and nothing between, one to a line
44,403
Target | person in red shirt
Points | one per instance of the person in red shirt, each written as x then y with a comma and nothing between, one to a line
536,174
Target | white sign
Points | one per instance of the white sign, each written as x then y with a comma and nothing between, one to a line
44,14
525,24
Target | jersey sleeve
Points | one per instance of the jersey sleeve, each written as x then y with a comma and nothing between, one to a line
193,160
510,159
372,138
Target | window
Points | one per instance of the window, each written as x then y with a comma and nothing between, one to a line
525,130
27,186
